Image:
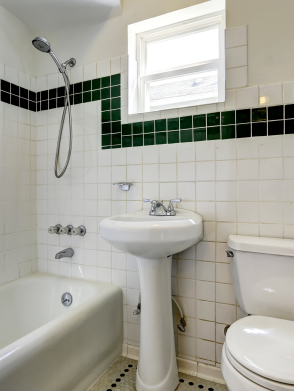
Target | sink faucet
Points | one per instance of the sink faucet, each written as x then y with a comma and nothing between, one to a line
67,253
158,209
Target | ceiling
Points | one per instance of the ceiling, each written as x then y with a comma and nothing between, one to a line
48,15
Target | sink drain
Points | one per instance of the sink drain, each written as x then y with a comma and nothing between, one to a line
66,299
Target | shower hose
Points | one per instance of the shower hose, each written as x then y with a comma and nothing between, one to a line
67,107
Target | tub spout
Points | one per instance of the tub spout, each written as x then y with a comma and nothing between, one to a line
67,253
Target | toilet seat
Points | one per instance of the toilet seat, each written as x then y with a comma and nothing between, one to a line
262,350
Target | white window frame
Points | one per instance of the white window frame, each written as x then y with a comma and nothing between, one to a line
139,80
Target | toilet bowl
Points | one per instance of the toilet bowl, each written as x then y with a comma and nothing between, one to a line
258,353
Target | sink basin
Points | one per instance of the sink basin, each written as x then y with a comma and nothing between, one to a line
152,236
153,239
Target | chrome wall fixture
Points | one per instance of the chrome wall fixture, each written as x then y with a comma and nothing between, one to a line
68,230
67,253
125,186
44,46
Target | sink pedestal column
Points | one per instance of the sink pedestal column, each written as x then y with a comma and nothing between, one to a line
157,367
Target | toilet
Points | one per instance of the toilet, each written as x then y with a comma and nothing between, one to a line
258,353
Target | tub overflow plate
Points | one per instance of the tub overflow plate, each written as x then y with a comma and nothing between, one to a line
66,299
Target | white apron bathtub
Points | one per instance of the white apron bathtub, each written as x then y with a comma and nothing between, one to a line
45,346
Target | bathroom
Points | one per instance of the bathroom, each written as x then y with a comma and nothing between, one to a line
226,153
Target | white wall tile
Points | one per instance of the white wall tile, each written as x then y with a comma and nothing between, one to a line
288,92
270,94
236,57
236,36
247,97
90,72
236,77
103,68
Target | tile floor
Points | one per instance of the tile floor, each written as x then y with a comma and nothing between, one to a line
121,376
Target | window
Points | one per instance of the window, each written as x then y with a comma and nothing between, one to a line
178,64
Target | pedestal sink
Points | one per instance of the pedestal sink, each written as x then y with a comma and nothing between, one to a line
153,239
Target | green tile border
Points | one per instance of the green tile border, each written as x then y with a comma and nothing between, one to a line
219,125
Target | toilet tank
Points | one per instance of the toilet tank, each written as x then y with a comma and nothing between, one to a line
262,271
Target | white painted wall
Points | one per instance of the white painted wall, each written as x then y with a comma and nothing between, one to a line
270,40
15,43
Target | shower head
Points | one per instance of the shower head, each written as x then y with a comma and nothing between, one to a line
42,44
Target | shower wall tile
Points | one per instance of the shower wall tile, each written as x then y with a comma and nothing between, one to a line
212,178
18,229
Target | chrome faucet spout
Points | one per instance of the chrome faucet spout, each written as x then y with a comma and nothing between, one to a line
158,209
67,253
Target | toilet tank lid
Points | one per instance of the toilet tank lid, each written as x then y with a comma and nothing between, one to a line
256,244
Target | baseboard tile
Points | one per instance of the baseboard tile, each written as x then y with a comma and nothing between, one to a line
189,367
211,373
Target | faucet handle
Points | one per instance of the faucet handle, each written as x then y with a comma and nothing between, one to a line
54,229
147,200
66,230
81,231
171,205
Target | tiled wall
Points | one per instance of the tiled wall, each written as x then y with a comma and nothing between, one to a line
241,185
18,220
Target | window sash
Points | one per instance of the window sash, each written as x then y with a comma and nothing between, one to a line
145,82
145,43
196,24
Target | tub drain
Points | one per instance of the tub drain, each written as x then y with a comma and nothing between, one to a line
66,299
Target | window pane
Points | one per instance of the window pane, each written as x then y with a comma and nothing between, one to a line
182,50
183,89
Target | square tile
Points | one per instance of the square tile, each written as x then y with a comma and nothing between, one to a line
259,129
138,141
137,127
115,91
105,82
105,104
228,132
173,137
213,119
160,125
148,127
199,121
126,141
160,138
96,84
186,136
275,112
95,95
275,128
259,115
174,123
213,133
105,93
115,115
289,126
115,103
186,122
199,134
228,117
115,79
243,130
149,139
289,111
126,129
